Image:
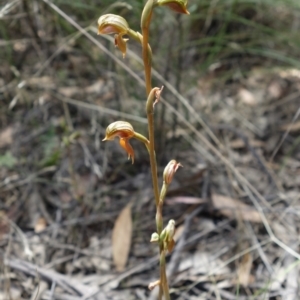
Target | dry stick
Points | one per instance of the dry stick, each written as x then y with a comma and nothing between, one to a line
285,134
68,284
260,251
225,161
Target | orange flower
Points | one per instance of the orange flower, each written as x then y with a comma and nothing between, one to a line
124,131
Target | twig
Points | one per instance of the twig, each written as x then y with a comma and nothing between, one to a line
285,134
98,108
68,284
252,150
260,251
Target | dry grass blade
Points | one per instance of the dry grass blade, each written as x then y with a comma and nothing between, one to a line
233,208
100,109
121,238
244,270
6,136
8,7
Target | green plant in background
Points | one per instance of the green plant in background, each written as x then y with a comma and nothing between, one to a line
117,25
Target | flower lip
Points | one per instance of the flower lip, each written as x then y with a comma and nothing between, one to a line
121,43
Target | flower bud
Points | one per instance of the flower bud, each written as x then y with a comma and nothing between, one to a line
167,236
110,23
154,237
176,5
170,170
170,229
124,131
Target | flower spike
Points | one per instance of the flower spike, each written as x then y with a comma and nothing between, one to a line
175,5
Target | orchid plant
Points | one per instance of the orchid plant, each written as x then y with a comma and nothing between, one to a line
117,25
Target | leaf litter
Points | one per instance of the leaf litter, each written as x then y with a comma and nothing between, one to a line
121,238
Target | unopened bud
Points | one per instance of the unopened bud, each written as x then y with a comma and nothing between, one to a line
154,237
170,170
167,236
170,229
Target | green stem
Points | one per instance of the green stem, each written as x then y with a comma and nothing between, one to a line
145,23
163,276
147,59
142,139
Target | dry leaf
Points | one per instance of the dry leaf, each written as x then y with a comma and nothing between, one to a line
4,224
247,97
244,269
70,91
239,143
96,87
40,225
294,127
45,82
185,200
121,238
233,208
275,90
178,233
6,136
